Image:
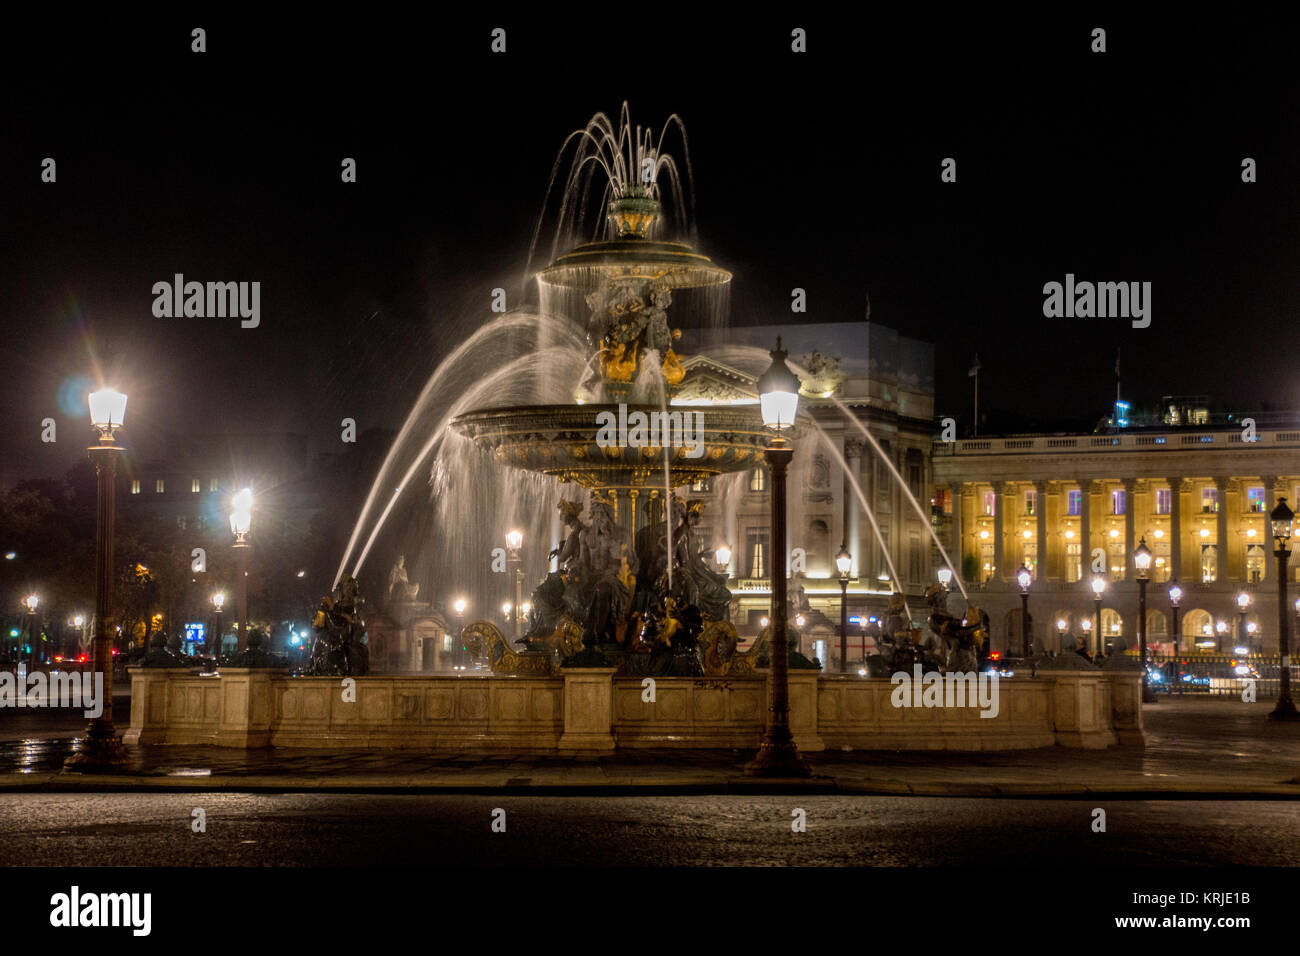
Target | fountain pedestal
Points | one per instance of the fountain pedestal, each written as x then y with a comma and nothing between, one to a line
588,708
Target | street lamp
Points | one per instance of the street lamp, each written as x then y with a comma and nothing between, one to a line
844,564
1175,595
33,630
241,521
723,556
1142,561
101,748
1281,518
1243,602
778,396
515,541
1086,626
214,645
1220,628
1025,577
459,606
1098,589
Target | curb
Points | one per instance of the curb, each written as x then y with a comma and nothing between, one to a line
55,782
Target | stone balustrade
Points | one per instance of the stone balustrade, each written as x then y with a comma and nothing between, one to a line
592,710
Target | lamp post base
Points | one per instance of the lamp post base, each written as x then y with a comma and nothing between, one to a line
1285,710
778,757
100,750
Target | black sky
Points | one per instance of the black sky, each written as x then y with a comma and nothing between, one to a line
819,171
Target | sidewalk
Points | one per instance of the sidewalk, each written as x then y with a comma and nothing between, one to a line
1196,747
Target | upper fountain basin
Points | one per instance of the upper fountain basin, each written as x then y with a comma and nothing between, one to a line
573,442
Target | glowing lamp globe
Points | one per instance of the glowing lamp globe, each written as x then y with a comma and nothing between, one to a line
945,576
723,555
107,409
514,540
778,391
844,562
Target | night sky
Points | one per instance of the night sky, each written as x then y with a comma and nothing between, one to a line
819,171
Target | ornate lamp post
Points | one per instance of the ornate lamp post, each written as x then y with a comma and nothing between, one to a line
459,607
1220,629
1175,595
214,645
33,630
101,748
515,541
1086,626
1025,577
241,521
1243,603
778,390
844,564
1142,561
1281,518
1098,589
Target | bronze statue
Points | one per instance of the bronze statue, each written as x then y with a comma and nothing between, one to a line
340,645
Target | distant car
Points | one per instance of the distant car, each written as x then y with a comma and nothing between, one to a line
1003,666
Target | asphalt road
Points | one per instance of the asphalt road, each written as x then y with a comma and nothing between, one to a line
151,829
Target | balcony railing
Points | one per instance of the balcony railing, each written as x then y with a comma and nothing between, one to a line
1045,444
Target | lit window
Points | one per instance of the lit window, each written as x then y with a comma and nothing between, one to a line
1209,500
1117,501
135,487
158,486
1076,502
758,480
1209,563
1255,499
1164,499
195,484
212,484
990,503
1031,503
1254,564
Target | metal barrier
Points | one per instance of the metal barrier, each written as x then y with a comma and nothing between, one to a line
1214,674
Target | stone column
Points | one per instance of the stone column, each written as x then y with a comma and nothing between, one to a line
1085,534
1130,519
1176,528
1270,562
853,521
1221,528
999,529
956,545
1040,509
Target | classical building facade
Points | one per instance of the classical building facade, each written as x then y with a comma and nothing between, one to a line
1075,507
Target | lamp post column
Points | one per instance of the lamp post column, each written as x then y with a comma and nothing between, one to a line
1281,518
241,596
1101,644
101,748
844,625
777,754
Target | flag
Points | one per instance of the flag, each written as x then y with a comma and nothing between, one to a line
974,369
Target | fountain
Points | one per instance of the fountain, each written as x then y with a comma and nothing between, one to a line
631,587
538,414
